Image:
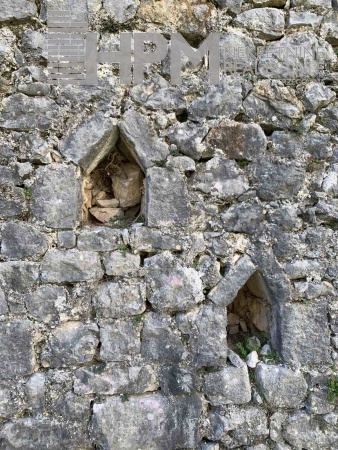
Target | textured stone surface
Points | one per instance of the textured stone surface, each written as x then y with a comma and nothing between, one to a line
267,23
56,196
122,11
120,339
21,240
121,263
46,303
99,239
167,198
90,142
21,9
281,387
70,266
170,286
70,344
153,413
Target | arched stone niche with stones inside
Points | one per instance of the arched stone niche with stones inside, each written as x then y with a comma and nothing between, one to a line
249,314
113,191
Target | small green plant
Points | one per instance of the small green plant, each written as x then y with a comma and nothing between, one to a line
332,388
124,398
118,223
123,248
242,162
136,320
28,193
271,357
312,164
245,347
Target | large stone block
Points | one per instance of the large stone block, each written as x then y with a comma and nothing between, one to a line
56,196
141,140
120,340
121,11
305,336
46,303
267,24
24,113
121,299
229,386
170,286
121,264
220,178
12,201
17,348
238,140
243,218
280,386
18,10
18,276
21,240
70,266
91,141
156,423
161,342
99,239
167,198
72,343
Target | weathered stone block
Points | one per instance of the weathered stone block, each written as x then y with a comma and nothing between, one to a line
118,300
115,379
226,290
220,178
56,196
120,340
121,264
169,422
70,266
167,201
317,96
161,342
99,239
46,303
122,11
17,348
12,201
18,276
149,240
91,141
70,344
21,240
170,286
141,140
24,113
238,140
189,139
267,23
18,10
305,336
280,386
243,218
177,380
229,386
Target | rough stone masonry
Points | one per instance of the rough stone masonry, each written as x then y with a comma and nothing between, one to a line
168,263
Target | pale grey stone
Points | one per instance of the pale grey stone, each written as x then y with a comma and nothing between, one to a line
317,95
220,178
167,198
34,45
222,100
144,239
243,218
170,286
141,140
267,23
56,196
17,348
35,89
304,19
206,327
280,386
70,266
71,343
18,276
302,269
150,424
289,64
18,10
9,402
181,163
12,201
293,145
312,3
229,386
9,175
121,299
226,290
327,117
115,379
157,94
99,239
329,28
177,380
21,240
3,303
278,180
121,11
20,112
237,52
235,359
120,340
66,239
35,391
121,264
46,303
238,140
305,336
234,6
90,141
304,431
189,139
161,342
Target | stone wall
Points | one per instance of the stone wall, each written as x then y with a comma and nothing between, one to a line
143,331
